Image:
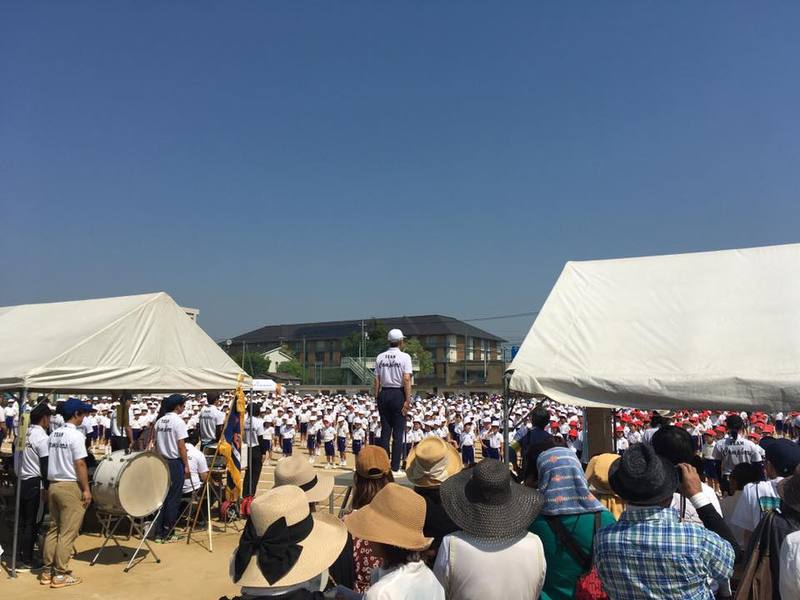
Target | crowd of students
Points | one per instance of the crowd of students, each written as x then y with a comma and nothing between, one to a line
714,488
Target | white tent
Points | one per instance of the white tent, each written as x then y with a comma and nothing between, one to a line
136,343
714,330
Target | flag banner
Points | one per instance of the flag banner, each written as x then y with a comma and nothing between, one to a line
231,446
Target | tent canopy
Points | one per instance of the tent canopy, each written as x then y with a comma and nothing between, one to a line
136,343
715,330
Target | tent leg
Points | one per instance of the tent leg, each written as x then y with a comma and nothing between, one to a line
506,453
18,499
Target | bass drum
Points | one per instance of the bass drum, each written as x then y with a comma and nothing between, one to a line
134,484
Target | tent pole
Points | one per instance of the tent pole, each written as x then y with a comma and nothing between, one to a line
23,394
506,453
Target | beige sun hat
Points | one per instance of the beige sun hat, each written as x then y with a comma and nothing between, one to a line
432,462
395,517
281,517
296,470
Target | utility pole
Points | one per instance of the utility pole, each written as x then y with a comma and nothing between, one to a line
465,359
303,378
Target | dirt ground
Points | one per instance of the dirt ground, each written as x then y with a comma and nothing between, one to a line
185,571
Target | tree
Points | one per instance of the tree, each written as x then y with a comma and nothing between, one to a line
375,343
291,367
414,347
254,363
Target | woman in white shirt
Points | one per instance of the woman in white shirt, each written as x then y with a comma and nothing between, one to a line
393,523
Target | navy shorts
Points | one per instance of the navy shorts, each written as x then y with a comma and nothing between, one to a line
493,453
329,449
356,446
303,428
267,445
371,438
311,442
468,454
287,446
341,444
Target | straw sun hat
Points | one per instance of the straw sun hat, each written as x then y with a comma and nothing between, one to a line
432,462
283,543
296,470
395,517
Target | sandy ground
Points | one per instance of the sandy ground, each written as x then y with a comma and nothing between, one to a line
185,571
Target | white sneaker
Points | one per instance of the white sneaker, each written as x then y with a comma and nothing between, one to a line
328,466
399,473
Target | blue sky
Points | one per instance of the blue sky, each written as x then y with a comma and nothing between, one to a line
275,162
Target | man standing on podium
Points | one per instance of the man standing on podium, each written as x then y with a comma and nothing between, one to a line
393,390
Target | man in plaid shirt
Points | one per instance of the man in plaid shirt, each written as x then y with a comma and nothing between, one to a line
649,553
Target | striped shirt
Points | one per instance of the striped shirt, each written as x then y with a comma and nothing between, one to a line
650,554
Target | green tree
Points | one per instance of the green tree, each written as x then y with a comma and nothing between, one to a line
376,342
254,363
414,347
376,337
291,367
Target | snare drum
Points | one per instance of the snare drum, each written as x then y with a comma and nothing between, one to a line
135,484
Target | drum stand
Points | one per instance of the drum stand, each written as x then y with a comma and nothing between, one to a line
111,521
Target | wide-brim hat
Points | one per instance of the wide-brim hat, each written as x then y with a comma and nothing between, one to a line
296,470
432,462
486,503
643,477
320,548
395,517
597,472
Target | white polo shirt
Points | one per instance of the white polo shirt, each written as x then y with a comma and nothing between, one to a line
66,445
197,464
210,418
37,445
390,366
170,429
253,427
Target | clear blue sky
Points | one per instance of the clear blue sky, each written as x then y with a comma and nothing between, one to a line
275,162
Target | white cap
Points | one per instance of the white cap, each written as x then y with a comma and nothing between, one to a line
395,335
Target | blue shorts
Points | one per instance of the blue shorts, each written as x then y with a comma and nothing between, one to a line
371,438
287,446
267,445
356,446
311,442
779,426
468,454
303,428
329,449
341,444
493,453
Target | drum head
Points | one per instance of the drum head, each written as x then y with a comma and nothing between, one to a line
144,484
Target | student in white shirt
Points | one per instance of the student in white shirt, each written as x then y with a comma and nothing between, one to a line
494,442
32,471
211,421
328,438
171,434
735,449
198,474
358,435
467,444
761,497
287,437
342,432
68,495
621,441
